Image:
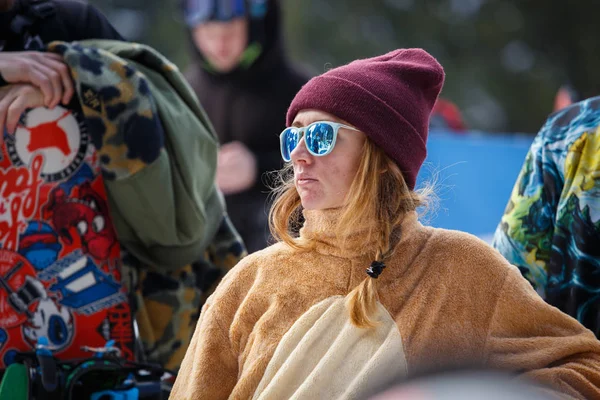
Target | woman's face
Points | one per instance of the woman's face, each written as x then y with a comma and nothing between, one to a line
323,182
222,43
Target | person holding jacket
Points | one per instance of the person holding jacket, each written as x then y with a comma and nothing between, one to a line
119,215
362,293
244,80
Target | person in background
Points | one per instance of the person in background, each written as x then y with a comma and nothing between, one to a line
447,116
363,293
551,226
244,80
565,96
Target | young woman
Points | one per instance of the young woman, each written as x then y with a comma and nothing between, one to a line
363,293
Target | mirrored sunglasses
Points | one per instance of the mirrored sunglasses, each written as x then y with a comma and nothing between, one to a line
319,138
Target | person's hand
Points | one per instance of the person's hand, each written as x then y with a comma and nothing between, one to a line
14,100
46,71
236,168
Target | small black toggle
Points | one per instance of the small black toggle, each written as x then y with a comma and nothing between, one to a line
375,269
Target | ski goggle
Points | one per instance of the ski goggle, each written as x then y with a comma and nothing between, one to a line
319,138
199,11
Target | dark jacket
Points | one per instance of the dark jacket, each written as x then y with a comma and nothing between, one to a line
249,105
68,21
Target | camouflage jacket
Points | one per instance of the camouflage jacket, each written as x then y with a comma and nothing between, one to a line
158,159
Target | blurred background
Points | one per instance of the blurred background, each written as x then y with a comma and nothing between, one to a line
505,60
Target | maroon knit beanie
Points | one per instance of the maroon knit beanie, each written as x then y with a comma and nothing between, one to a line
389,98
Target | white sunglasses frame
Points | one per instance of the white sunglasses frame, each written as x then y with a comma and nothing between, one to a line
336,127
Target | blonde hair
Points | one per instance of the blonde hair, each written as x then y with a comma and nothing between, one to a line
378,192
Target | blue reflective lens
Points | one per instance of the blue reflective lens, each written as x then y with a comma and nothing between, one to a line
289,141
319,138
